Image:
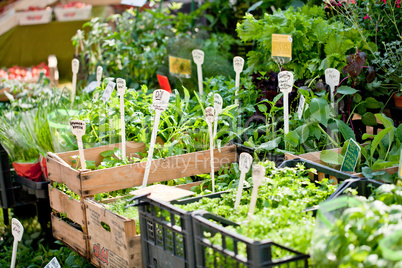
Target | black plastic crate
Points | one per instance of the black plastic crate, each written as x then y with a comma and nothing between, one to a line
7,189
38,189
363,186
322,171
227,252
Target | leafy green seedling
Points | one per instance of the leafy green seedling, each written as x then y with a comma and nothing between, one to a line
209,117
160,102
198,57
17,231
78,129
238,64
244,166
258,177
121,88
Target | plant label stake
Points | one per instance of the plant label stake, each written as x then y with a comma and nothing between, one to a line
332,79
218,109
78,129
198,57
17,231
121,88
209,117
258,177
301,106
285,81
159,103
53,263
75,64
99,71
245,162
351,157
108,91
238,64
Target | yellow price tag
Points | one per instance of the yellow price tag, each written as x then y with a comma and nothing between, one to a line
179,66
281,45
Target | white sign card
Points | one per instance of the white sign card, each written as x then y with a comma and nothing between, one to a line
108,91
53,263
285,83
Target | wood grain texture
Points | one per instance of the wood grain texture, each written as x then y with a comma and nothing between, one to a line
62,174
121,242
313,157
173,167
62,203
70,236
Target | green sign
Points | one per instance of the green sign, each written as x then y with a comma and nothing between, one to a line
351,157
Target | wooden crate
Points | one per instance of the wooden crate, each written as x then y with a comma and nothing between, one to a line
120,246
315,157
8,20
89,183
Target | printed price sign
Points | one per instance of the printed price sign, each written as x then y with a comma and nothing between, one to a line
108,91
351,157
164,82
281,45
53,263
179,66
160,100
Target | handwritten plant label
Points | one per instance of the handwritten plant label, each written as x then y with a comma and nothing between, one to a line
245,162
77,127
238,64
108,91
90,87
160,100
281,45
135,3
198,56
179,66
121,86
17,231
53,263
285,81
351,157
332,77
75,64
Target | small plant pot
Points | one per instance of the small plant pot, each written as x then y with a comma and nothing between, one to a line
398,100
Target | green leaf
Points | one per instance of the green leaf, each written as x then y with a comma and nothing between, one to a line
90,164
377,139
262,107
387,122
107,153
367,172
369,119
331,157
319,109
381,164
372,103
345,90
345,130
270,145
293,138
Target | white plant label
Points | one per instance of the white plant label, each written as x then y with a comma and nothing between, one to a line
258,177
209,117
332,77
78,129
238,64
218,102
91,87
108,91
301,106
198,57
53,263
75,65
17,231
52,61
121,89
160,103
285,82
245,162
99,71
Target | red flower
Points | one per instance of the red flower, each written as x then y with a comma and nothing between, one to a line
366,17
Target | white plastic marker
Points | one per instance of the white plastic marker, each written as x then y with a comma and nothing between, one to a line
245,162
53,263
78,129
218,102
209,117
99,71
198,57
332,77
159,103
258,177
285,81
238,64
75,64
17,231
121,88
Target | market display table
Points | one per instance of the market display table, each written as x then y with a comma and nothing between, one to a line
32,44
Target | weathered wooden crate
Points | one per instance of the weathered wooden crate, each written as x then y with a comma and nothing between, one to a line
119,245
315,157
73,223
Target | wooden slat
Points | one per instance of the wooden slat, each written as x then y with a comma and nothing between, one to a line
118,241
313,156
173,167
93,154
188,186
60,173
70,236
62,203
